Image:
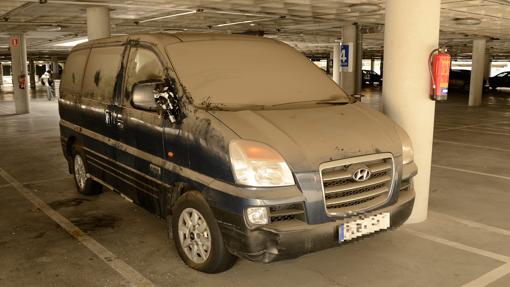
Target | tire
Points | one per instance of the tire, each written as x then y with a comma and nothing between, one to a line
84,184
205,242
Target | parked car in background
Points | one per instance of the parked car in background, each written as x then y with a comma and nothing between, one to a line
459,80
371,77
500,80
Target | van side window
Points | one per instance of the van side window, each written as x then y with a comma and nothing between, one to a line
144,65
101,73
73,74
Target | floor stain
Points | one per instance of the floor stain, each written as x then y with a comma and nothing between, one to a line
70,202
93,222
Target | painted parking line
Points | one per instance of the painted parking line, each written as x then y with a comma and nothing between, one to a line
473,224
469,126
472,145
127,272
490,276
38,181
471,171
470,249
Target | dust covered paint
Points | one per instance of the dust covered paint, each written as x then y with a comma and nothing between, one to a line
256,127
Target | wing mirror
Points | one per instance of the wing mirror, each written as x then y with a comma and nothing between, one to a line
157,96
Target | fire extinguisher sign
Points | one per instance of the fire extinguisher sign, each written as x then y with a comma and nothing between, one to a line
346,57
15,41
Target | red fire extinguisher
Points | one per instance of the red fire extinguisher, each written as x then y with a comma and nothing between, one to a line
22,81
440,62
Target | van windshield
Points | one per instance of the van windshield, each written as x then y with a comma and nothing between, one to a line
250,73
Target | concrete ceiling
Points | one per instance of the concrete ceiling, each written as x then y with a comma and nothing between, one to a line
310,26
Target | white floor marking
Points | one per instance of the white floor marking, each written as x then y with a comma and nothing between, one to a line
469,126
472,171
117,264
474,224
490,276
472,145
484,132
460,246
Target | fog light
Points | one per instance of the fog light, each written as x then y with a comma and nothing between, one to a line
257,215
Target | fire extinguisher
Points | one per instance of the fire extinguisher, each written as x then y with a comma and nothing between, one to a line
22,81
439,66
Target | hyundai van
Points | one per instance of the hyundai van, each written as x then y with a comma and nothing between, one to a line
244,145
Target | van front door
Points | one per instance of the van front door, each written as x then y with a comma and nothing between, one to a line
140,153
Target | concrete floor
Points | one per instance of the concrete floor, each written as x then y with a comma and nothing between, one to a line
465,241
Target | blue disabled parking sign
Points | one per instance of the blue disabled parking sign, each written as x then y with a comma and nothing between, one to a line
345,57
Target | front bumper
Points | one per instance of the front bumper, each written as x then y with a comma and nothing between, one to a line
291,239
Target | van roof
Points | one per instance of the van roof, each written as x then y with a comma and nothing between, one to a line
166,38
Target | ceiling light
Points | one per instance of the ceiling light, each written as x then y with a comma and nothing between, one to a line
467,21
170,16
48,28
72,42
248,21
365,8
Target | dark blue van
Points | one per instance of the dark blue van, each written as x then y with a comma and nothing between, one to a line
246,146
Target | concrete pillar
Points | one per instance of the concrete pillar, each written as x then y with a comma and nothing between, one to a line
55,69
31,69
336,63
349,78
488,64
372,64
477,72
98,22
19,70
408,40
1,74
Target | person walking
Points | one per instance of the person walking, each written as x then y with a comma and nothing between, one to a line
47,80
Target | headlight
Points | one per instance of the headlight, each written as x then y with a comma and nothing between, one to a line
256,164
407,146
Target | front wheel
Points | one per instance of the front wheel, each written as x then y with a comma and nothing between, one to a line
84,183
197,236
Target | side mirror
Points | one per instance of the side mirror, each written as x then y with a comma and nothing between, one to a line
144,94
158,96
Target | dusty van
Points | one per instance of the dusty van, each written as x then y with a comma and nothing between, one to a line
244,145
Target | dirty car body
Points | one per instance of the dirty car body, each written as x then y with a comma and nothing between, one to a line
283,107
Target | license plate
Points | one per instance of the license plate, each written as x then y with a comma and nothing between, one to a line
363,226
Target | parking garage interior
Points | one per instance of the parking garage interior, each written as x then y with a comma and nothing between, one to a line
457,235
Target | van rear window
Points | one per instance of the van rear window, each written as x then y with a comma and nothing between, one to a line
101,73
73,72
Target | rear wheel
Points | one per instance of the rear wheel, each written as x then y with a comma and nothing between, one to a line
84,183
197,236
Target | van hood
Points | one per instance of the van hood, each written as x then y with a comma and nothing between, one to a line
307,137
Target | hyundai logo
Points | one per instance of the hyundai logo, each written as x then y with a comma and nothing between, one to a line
361,174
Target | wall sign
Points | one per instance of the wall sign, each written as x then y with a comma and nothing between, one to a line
346,57
15,41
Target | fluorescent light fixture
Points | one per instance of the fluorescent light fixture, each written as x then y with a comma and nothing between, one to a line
72,42
248,21
170,16
48,28
365,8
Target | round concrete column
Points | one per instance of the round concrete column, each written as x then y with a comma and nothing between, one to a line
336,63
55,69
488,67
19,70
31,66
409,37
98,22
1,74
477,72
349,78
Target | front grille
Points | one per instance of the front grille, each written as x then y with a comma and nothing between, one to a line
287,212
343,194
